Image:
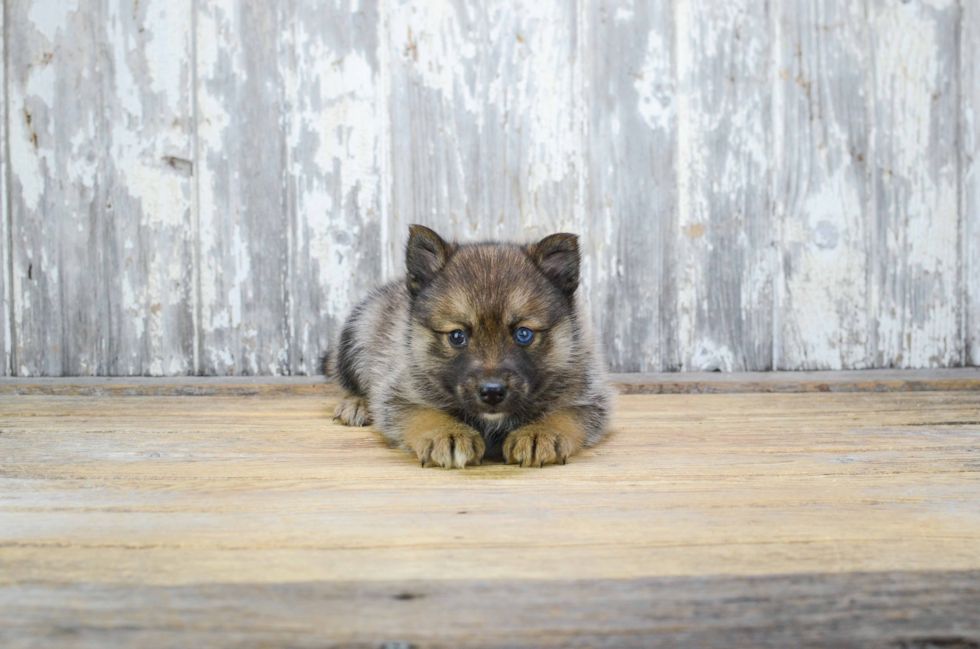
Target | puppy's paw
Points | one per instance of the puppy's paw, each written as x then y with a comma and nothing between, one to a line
537,445
353,411
452,447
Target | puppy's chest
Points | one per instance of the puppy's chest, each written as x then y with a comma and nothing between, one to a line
493,429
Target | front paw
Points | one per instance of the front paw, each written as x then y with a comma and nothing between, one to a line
537,445
450,448
353,411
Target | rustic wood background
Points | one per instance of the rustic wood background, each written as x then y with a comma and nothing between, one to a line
207,186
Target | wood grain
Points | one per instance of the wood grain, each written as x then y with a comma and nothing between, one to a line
823,198
101,158
290,131
796,382
969,34
916,284
334,105
184,490
636,383
6,306
57,189
914,610
484,137
139,519
721,248
31,141
244,230
633,126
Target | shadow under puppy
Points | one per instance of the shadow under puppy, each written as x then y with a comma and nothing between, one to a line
480,351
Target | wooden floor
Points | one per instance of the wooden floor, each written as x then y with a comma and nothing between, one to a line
712,520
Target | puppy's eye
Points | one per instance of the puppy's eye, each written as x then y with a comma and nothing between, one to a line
524,336
458,338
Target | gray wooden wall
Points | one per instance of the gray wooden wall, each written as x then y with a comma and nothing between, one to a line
207,186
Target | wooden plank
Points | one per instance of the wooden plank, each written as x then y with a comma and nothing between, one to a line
720,248
652,383
632,176
969,34
485,141
57,189
6,316
260,522
100,146
916,289
170,491
794,382
291,224
334,102
244,225
887,610
823,192
148,213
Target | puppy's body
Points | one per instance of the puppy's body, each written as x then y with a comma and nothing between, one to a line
438,362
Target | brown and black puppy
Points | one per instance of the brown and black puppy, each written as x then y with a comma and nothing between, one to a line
480,351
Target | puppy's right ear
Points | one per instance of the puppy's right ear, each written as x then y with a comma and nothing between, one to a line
425,256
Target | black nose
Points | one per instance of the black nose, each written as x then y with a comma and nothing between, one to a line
492,393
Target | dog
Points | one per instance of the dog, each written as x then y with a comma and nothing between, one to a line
480,351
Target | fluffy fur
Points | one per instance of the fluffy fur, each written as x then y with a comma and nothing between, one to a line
395,361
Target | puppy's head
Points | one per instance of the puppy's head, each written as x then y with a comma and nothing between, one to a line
493,324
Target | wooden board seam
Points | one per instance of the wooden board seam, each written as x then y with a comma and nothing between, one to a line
964,379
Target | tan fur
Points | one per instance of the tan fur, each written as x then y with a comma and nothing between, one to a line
453,311
550,440
441,440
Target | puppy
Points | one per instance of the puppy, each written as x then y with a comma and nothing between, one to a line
479,351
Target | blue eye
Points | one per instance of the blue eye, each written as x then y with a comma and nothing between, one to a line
524,336
457,338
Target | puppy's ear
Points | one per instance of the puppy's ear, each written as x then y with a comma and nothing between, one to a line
557,257
425,256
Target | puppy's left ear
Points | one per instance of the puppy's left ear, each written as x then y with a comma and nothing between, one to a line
557,257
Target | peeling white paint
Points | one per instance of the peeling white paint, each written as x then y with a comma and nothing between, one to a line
170,33
215,28
722,162
50,17
624,14
333,146
27,159
710,356
969,85
822,319
6,281
495,115
436,41
918,305
92,131
554,146
654,85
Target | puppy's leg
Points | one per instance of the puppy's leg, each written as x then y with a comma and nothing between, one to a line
550,440
353,411
441,440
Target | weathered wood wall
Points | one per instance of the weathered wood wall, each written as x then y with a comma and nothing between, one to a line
207,186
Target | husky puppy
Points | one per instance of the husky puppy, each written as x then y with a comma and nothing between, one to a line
479,351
